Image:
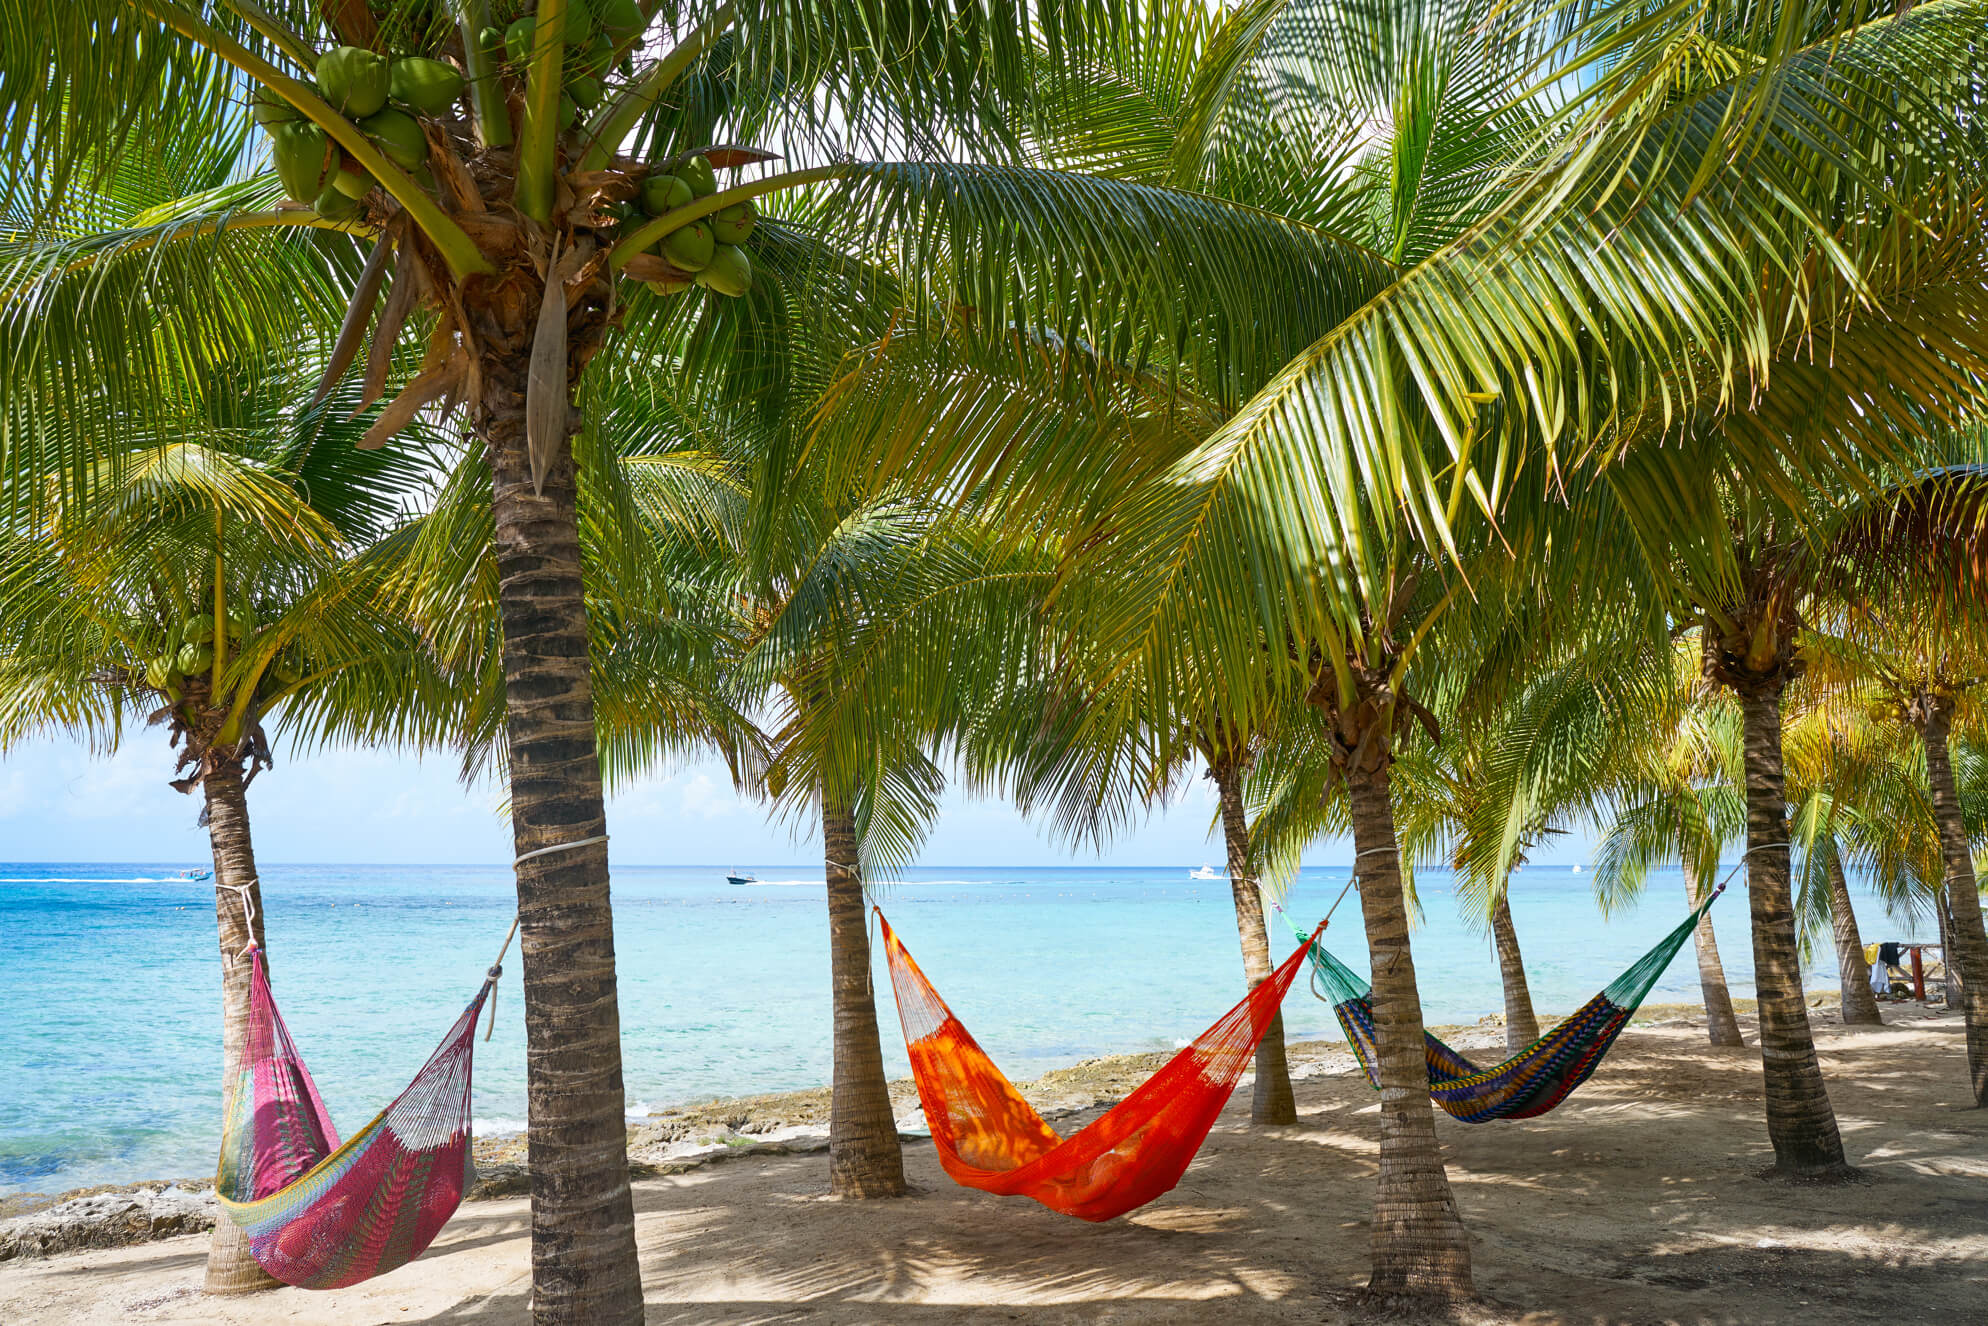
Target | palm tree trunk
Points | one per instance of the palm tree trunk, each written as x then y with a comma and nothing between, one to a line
1419,1244
1521,1026
1274,1101
1860,1005
230,1269
1721,1027
583,1219
1800,1122
1950,991
1968,951
865,1158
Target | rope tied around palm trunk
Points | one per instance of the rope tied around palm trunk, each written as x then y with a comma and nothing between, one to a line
248,912
523,857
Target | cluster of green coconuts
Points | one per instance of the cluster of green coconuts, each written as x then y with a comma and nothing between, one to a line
709,249
382,94
190,652
378,93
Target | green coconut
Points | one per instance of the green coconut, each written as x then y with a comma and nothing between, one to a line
270,110
157,672
430,86
518,40
729,272
199,629
335,204
399,136
688,248
584,91
733,225
663,193
579,25
697,173
569,114
352,179
192,660
595,56
619,19
303,163
354,80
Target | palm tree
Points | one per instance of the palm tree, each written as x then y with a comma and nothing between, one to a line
1079,743
1681,800
1917,647
872,635
1838,763
468,211
210,578
1521,758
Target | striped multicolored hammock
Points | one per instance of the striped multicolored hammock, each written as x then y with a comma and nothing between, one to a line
989,1138
1535,1079
322,1215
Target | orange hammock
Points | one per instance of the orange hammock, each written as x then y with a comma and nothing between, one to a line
990,1138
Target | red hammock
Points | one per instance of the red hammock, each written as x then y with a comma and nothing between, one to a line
990,1138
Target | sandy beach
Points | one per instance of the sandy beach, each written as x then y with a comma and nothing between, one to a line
1639,1201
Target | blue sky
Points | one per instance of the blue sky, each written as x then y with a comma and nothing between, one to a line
58,802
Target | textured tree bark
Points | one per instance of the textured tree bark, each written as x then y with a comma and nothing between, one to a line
1419,1244
230,1269
583,1220
1800,1121
1274,1101
1721,1027
1521,1025
1860,1005
865,1158
1968,944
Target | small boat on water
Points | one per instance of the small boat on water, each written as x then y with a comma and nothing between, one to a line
1206,872
740,881
196,873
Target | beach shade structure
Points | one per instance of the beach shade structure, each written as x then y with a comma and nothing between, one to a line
323,1215
1535,1079
989,1138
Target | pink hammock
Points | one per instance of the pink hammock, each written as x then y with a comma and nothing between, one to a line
321,1215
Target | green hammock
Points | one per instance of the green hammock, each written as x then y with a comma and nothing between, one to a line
1535,1079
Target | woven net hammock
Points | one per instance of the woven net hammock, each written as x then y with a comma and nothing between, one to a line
1535,1079
989,1138
321,1215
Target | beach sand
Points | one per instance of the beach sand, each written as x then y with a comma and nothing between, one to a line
1638,1201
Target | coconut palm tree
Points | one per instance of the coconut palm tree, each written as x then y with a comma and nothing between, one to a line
1077,744
496,233
870,636
1519,761
1682,801
210,580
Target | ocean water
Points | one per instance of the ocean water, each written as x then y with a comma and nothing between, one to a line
109,1005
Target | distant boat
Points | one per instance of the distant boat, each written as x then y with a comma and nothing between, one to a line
741,881
1206,872
196,874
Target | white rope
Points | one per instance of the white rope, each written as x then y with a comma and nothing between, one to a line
248,910
559,847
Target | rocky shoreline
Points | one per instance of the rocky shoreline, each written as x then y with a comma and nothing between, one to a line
671,1141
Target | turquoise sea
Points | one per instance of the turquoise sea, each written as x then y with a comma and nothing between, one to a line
109,1004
